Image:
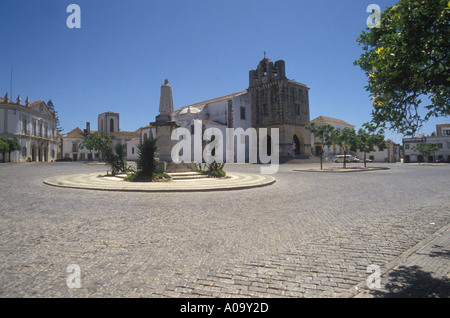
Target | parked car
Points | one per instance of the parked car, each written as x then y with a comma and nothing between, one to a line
348,158
367,160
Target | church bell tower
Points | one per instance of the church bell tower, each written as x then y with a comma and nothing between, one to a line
278,102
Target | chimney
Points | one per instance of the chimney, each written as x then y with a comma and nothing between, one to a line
88,128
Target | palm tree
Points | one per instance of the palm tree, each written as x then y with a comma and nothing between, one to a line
147,162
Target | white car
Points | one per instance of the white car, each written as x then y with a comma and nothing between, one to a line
348,158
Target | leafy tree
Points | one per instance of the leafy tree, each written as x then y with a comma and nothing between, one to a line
346,139
324,133
96,142
147,162
4,148
368,139
13,146
406,61
425,149
52,109
117,161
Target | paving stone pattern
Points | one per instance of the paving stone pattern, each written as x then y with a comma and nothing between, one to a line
307,235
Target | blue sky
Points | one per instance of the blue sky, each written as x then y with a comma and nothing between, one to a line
125,49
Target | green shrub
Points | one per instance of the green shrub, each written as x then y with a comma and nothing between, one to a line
213,169
117,161
147,162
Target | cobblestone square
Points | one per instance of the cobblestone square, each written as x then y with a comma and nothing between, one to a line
307,235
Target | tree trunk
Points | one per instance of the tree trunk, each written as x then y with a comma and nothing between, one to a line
321,157
365,156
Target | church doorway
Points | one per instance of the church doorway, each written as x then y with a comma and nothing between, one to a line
296,146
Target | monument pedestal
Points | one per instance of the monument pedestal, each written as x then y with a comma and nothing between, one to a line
165,143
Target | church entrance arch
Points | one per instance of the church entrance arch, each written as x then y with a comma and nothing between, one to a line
296,145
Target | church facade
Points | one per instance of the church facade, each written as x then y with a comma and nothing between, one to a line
271,101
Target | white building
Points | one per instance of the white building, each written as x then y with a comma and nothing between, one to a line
71,146
224,112
390,153
230,111
33,125
441,138
108,123
316,142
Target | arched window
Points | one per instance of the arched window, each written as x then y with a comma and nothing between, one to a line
111,125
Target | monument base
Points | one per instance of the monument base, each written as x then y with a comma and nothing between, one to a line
165,143
172,167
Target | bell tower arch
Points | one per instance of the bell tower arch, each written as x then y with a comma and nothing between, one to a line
108,123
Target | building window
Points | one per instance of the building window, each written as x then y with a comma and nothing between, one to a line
264,109
111,125
448,144
447,132
132,150
24,126
242,113
34,128
297,108
45,131
406,146
24,151
439,145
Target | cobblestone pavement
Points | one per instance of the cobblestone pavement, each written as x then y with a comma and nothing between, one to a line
307,235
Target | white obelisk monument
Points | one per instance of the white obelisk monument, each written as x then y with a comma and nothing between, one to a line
165,124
